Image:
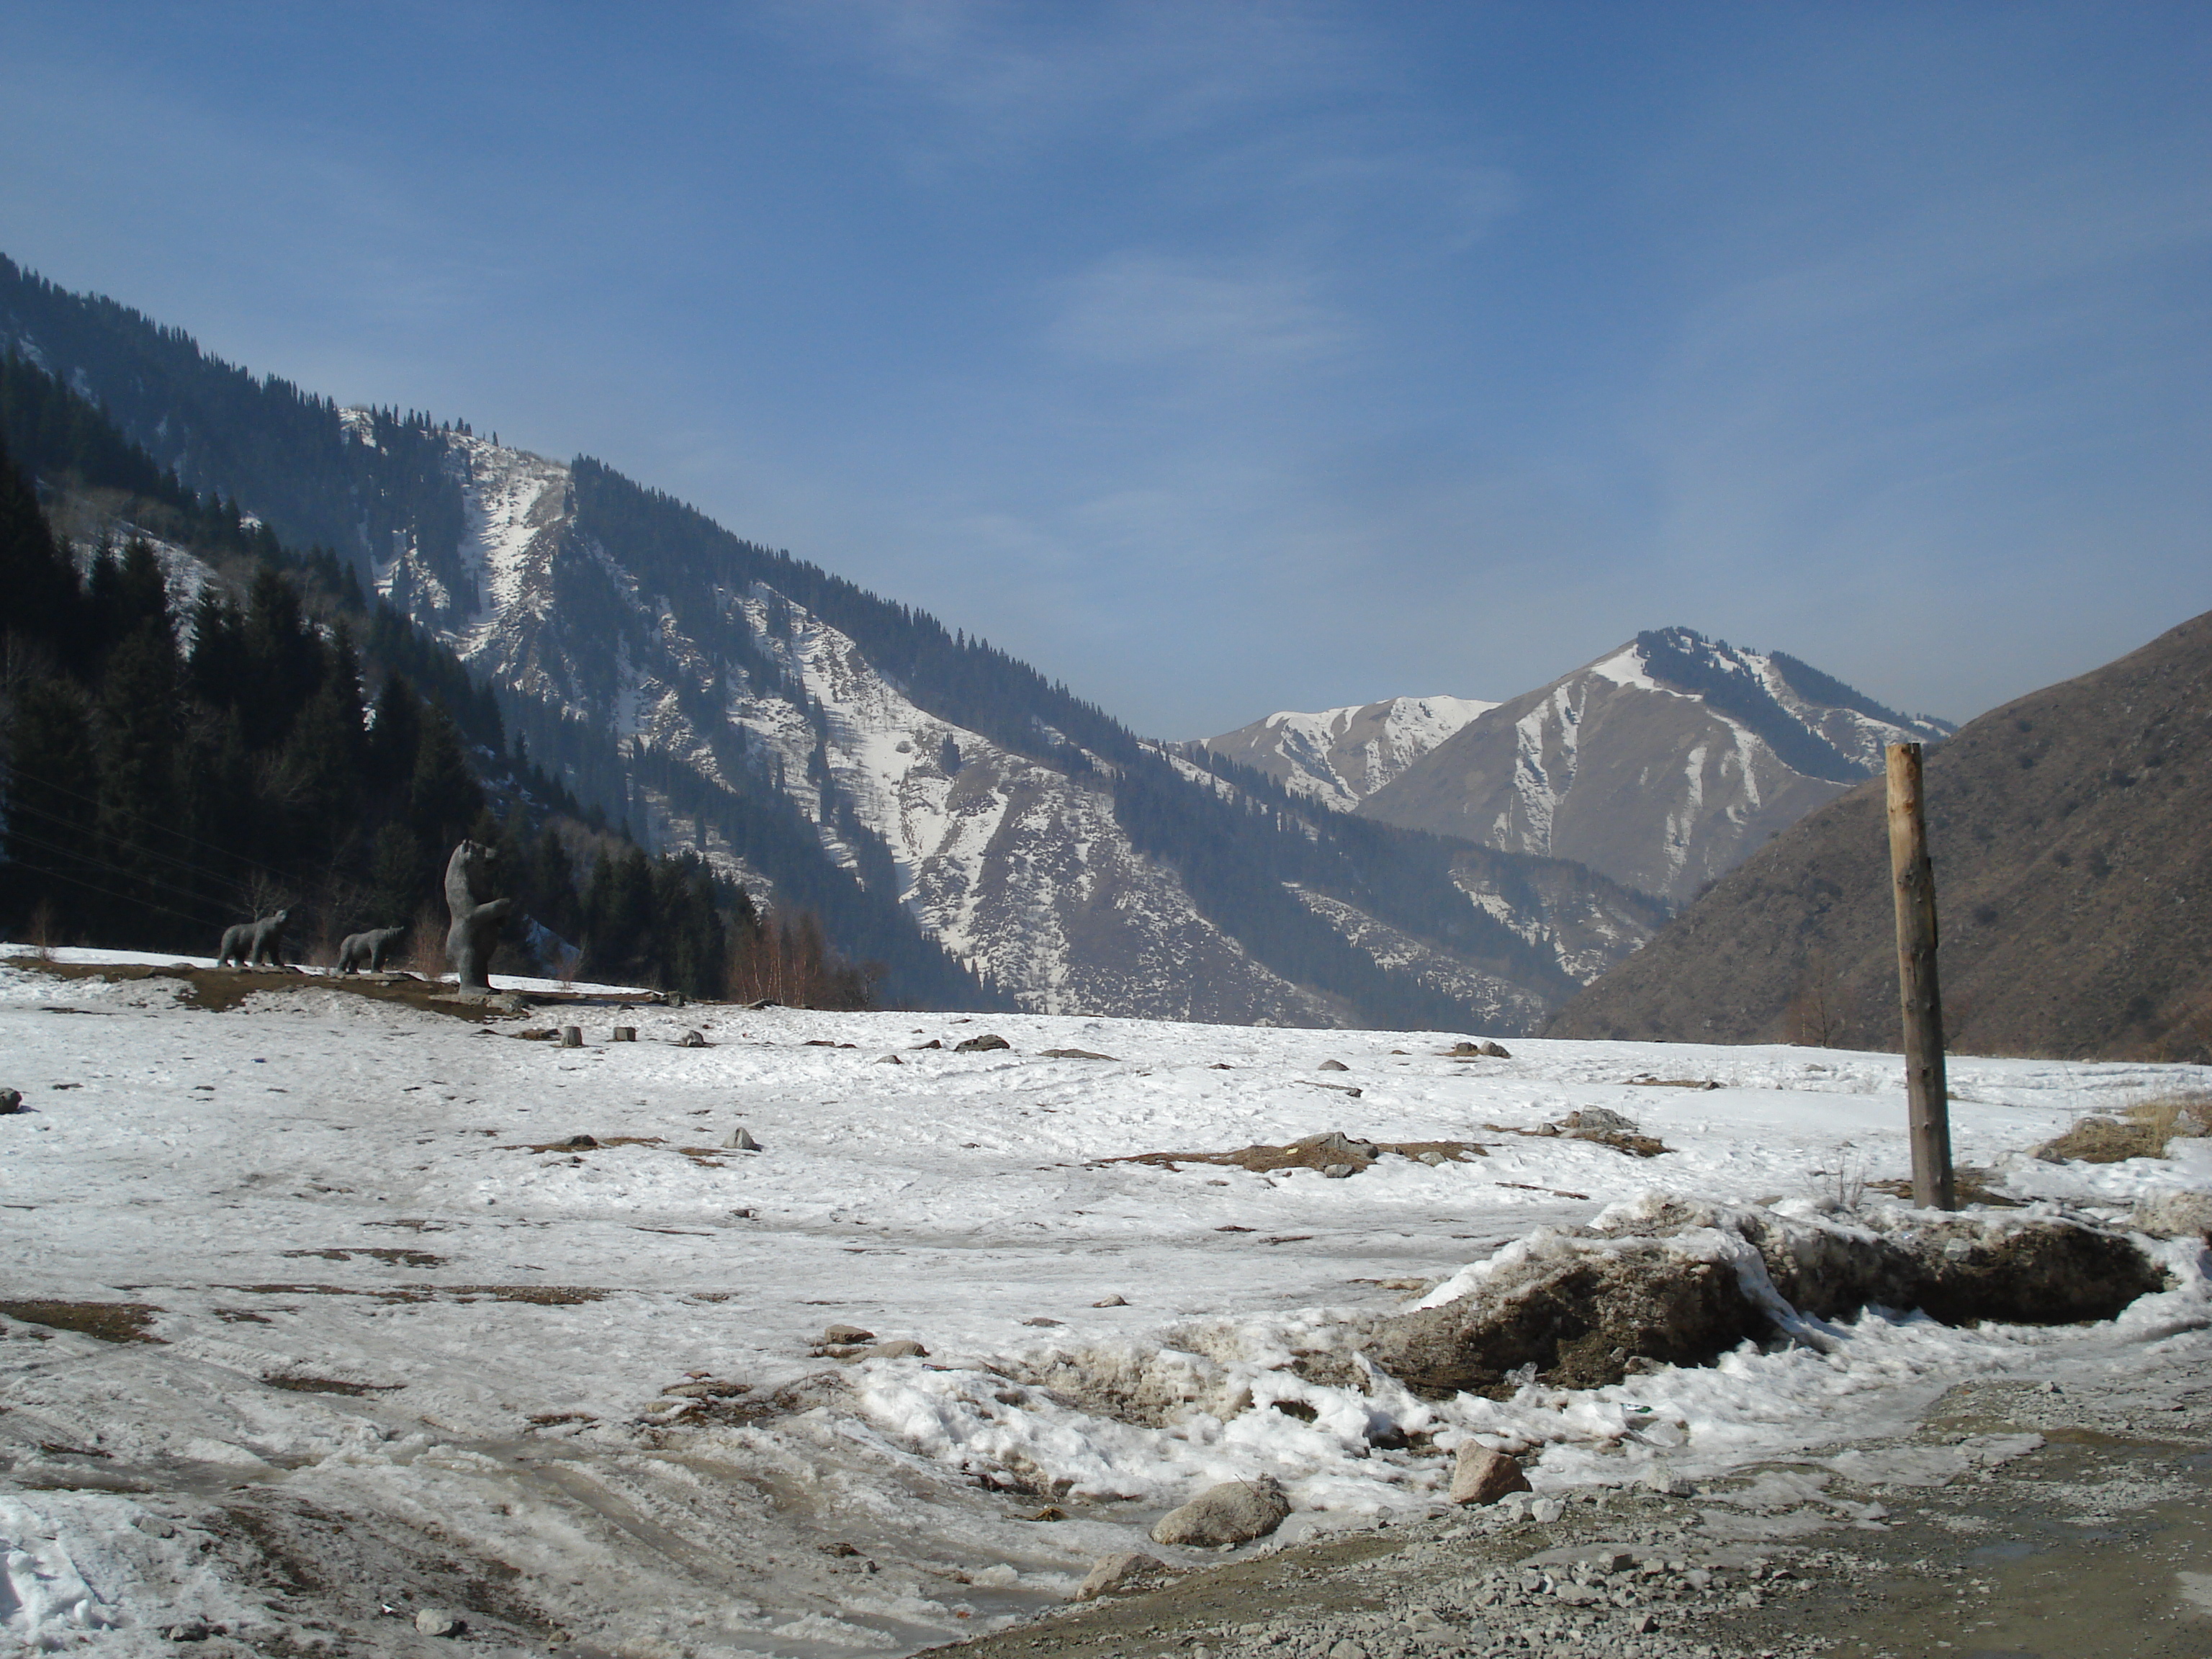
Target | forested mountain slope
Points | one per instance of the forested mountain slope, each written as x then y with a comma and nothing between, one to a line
947,809
2073,873
186,742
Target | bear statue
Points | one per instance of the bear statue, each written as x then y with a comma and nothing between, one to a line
357,952
475,932
255,944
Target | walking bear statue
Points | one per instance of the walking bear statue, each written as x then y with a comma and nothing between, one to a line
366,951
475,932
255,944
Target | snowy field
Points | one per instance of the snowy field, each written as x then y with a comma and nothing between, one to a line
410,1348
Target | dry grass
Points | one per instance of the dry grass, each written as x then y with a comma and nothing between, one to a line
425,946
2141,1130
111,1322
2182,1115
1314,1152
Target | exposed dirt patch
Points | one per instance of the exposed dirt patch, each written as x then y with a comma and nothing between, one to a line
547,1296
1323,1152
585,1144
743,1408
543,1296
328,1385
111,1322
1962,1271
357,1569
1971,1184
1627,1140
397,1258
1589,1309
1575,1320
218,990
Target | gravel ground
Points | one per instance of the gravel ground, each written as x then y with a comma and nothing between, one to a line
2075,1524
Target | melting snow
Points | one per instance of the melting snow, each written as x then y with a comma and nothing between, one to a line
320,1192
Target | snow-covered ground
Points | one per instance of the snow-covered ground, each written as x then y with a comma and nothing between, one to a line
410,1344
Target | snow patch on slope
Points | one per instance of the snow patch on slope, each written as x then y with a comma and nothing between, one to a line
1340,756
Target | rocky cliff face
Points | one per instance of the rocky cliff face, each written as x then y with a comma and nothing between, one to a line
2073,874
1663,764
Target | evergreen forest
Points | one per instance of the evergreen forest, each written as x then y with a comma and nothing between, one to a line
183,753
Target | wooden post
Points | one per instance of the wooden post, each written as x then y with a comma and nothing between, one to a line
1913,883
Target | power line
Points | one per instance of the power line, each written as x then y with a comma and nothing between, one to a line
109,892
93,801
112,868
17,806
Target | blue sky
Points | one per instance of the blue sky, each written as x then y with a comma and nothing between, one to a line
1219,358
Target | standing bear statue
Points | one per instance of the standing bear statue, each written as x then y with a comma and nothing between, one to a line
475,932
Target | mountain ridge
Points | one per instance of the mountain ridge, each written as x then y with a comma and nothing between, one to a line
1661,763
2073,879
1340,756
915,782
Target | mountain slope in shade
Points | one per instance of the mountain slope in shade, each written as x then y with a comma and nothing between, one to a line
1340,756
2073,873
1662,765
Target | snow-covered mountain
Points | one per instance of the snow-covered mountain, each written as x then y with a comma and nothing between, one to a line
1663,764
1011,854
943,806
1340,756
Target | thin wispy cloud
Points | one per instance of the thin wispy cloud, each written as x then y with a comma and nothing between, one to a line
1148,308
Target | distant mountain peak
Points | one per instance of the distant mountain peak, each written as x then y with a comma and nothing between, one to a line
1340,756
1662,763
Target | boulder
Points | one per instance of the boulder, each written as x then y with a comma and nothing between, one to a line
439,1621
839,1336
1332,1066
897,1348
1123,1574
743,1141
1116,1300
1235,1512
11,1100
1482,1475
